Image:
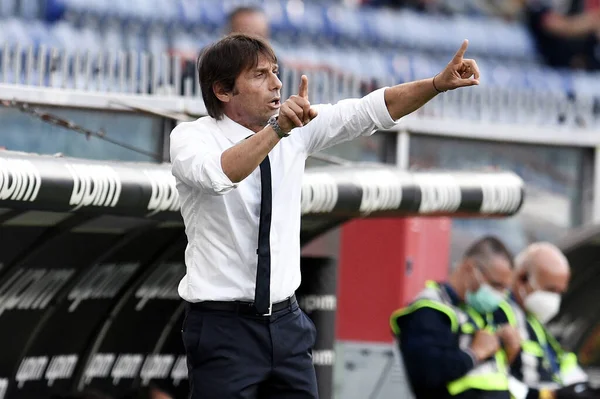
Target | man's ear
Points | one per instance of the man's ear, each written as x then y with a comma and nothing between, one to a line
220,92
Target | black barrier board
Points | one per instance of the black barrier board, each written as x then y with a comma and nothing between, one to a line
15,240
121,351
84,306
148,190
29,289
317,296
166,368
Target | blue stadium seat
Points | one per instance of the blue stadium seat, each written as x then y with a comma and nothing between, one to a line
400,67
112,35
586,84
157,39
8,8
277,15
190,11
101,7
165,11
306,18
15,31
213,14
345,24
369,42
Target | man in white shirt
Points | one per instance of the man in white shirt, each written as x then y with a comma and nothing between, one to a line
239,176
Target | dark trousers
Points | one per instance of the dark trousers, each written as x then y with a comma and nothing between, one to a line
230,355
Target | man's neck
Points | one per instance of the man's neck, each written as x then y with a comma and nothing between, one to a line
245,122
457,286
517,297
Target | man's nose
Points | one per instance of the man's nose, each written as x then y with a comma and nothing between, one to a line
276,82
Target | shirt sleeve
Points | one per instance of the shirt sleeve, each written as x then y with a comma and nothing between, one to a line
346,120
430,350
196,161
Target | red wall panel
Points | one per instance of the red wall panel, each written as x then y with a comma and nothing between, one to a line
383,264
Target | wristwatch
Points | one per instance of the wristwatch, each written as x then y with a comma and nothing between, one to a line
275,125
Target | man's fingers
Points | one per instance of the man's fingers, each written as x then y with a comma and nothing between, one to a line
461,51
301,106
306,112
291,111
292,117
469,82
296,108
312,113
473,67
303,91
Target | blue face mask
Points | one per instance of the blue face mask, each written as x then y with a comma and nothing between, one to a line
485,299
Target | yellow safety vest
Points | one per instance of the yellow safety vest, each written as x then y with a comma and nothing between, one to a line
491,375
534,346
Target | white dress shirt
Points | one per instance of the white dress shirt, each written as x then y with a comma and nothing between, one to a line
221,218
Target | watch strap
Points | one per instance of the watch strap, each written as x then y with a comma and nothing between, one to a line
275,125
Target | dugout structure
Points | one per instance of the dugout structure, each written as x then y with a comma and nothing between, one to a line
91,254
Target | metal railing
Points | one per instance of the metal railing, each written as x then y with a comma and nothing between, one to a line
168,76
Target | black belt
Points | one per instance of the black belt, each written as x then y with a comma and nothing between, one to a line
244,308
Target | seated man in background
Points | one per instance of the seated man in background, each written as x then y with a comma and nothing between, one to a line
449,350
565,32
542,369
248,20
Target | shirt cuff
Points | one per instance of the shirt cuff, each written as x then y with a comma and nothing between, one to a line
469,352
378,109
220,183
518,390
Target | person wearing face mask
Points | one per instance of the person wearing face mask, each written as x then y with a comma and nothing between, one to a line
542,369
448,348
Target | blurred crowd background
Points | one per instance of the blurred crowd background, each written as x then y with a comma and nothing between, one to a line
557,33
565,32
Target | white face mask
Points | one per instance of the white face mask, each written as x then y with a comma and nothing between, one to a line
543,304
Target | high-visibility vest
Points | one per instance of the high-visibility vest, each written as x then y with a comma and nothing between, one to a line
536,369
491,375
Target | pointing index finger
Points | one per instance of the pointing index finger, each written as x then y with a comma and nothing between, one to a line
461,51
303,90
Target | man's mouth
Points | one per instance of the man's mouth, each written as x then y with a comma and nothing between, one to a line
275,102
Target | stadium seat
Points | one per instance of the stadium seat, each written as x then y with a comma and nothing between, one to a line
381,44
15,32
8,8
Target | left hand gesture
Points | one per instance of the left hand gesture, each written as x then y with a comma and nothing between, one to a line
458,72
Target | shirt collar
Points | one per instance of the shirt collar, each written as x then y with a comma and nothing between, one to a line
452,294
233,130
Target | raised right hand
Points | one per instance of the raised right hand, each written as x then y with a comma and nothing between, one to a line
296,110
484,344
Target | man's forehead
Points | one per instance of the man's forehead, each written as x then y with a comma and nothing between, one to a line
500,268
265,63
498,263
551,274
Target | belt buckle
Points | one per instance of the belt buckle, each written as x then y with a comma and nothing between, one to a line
269,312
